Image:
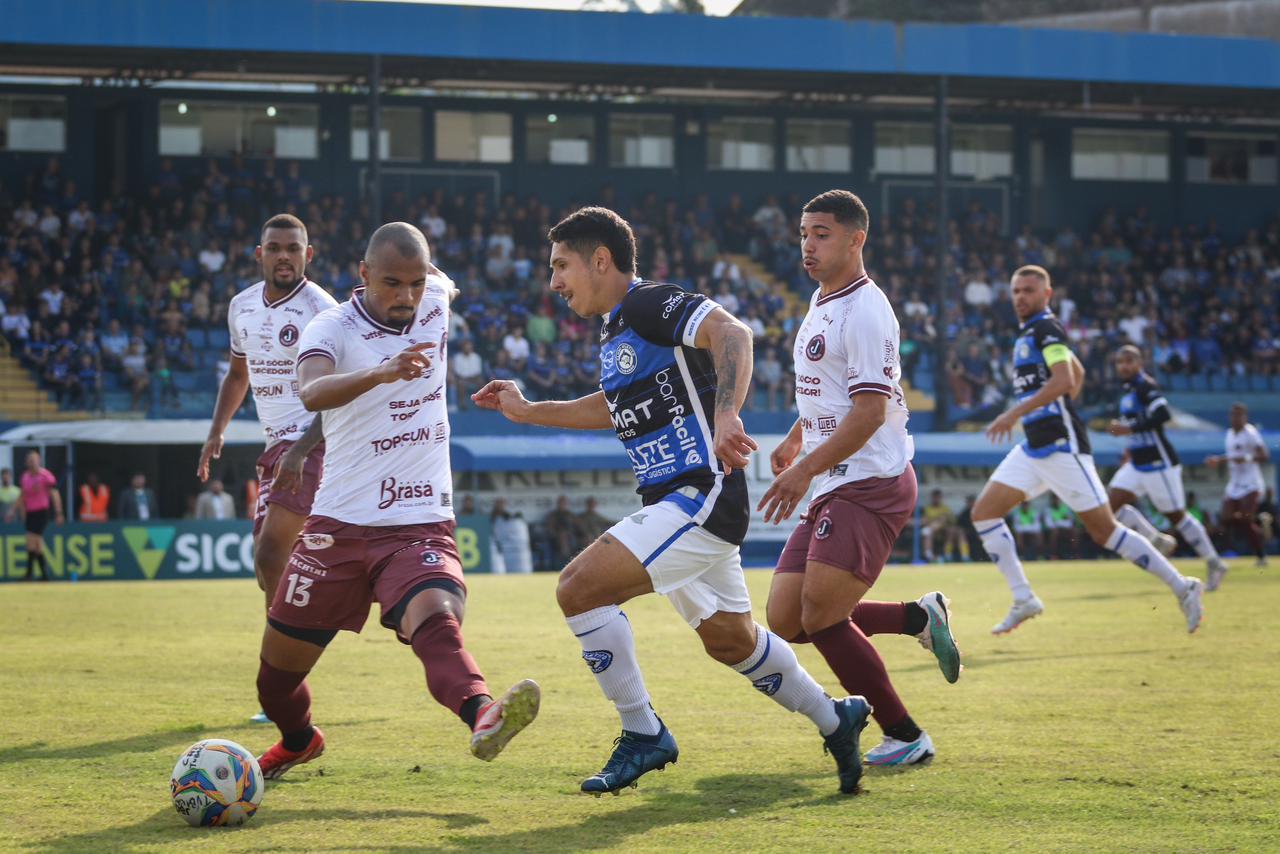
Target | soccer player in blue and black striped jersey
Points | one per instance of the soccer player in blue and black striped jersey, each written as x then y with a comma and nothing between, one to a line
1152,468
1055,456
675,368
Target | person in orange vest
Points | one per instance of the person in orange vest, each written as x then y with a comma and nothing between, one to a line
95,498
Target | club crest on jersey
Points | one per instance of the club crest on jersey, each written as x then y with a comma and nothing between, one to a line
768,685
816,348
627,359
598,659
288,335
1024,350
315,542
823,530
430,558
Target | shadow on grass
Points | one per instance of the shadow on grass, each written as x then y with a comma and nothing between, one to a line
606,826
174,738
165,827
999,657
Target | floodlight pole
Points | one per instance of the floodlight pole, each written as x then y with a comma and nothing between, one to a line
375,133
942,163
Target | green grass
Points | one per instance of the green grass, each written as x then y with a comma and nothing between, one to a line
1100,726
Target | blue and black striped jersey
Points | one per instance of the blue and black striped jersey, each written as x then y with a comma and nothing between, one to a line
1144,410
1055,426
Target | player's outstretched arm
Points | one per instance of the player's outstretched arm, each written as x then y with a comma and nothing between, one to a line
235,385
1058,385
585,413
730,343
791,485
320,388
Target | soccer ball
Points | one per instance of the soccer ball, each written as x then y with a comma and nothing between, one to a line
216,783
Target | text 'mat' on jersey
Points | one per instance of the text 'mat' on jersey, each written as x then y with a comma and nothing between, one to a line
661,394
386,458
846,346
1056,426
266,335
1144,410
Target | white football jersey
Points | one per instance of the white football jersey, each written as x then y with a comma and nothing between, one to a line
266,335
386,455
848,345
1246,477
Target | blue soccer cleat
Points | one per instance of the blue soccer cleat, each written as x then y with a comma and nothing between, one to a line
843,743
260,718
634,755
936,636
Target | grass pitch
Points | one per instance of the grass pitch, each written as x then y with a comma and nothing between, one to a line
1099,726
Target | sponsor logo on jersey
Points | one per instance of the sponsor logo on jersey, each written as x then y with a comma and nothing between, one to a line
629,417
385,444
816,348
627,359
768,685
309,565
315,542
393,491
598,659
671,304
638,518
288,335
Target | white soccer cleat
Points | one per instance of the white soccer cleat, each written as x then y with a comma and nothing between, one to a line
1165,543
894,752
1191,605
1019,613
1260,563
1217,571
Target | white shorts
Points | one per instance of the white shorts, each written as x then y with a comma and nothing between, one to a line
1071,477
1163,486
1241,489
698,572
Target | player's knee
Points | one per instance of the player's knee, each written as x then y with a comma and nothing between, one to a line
729,644
570,593
817,614
784,623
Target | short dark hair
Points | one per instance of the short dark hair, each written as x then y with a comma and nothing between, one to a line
587,228
847,208
406,237
285,220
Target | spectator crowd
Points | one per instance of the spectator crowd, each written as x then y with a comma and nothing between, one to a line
110,293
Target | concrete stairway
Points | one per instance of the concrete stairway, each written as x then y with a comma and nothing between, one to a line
21,399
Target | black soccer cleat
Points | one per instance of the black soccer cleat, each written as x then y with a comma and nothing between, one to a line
634,755
843,743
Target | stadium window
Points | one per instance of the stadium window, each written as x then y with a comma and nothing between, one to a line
641,139
562,139
817,145
904,148
399,134
1219,158
740,143
221,128
1108,155
473,137
981,151
33,123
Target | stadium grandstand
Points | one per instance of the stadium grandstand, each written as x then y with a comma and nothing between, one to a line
141,148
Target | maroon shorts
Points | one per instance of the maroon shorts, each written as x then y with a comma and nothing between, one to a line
853,527
1246,505
337,570
298,501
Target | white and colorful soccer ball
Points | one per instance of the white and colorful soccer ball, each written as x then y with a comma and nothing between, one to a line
216,783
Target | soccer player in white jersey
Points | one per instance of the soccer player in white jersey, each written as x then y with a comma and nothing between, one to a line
266,321
675,369
1055,456
382,524
1152,468
1246,454
853,430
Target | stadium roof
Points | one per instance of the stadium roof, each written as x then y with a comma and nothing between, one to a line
330,42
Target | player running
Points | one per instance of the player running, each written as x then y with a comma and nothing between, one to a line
266,322
853,428
675,369
1054,457
1246,453
382,524
1152,468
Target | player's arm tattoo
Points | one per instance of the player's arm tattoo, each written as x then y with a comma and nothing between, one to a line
732,357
